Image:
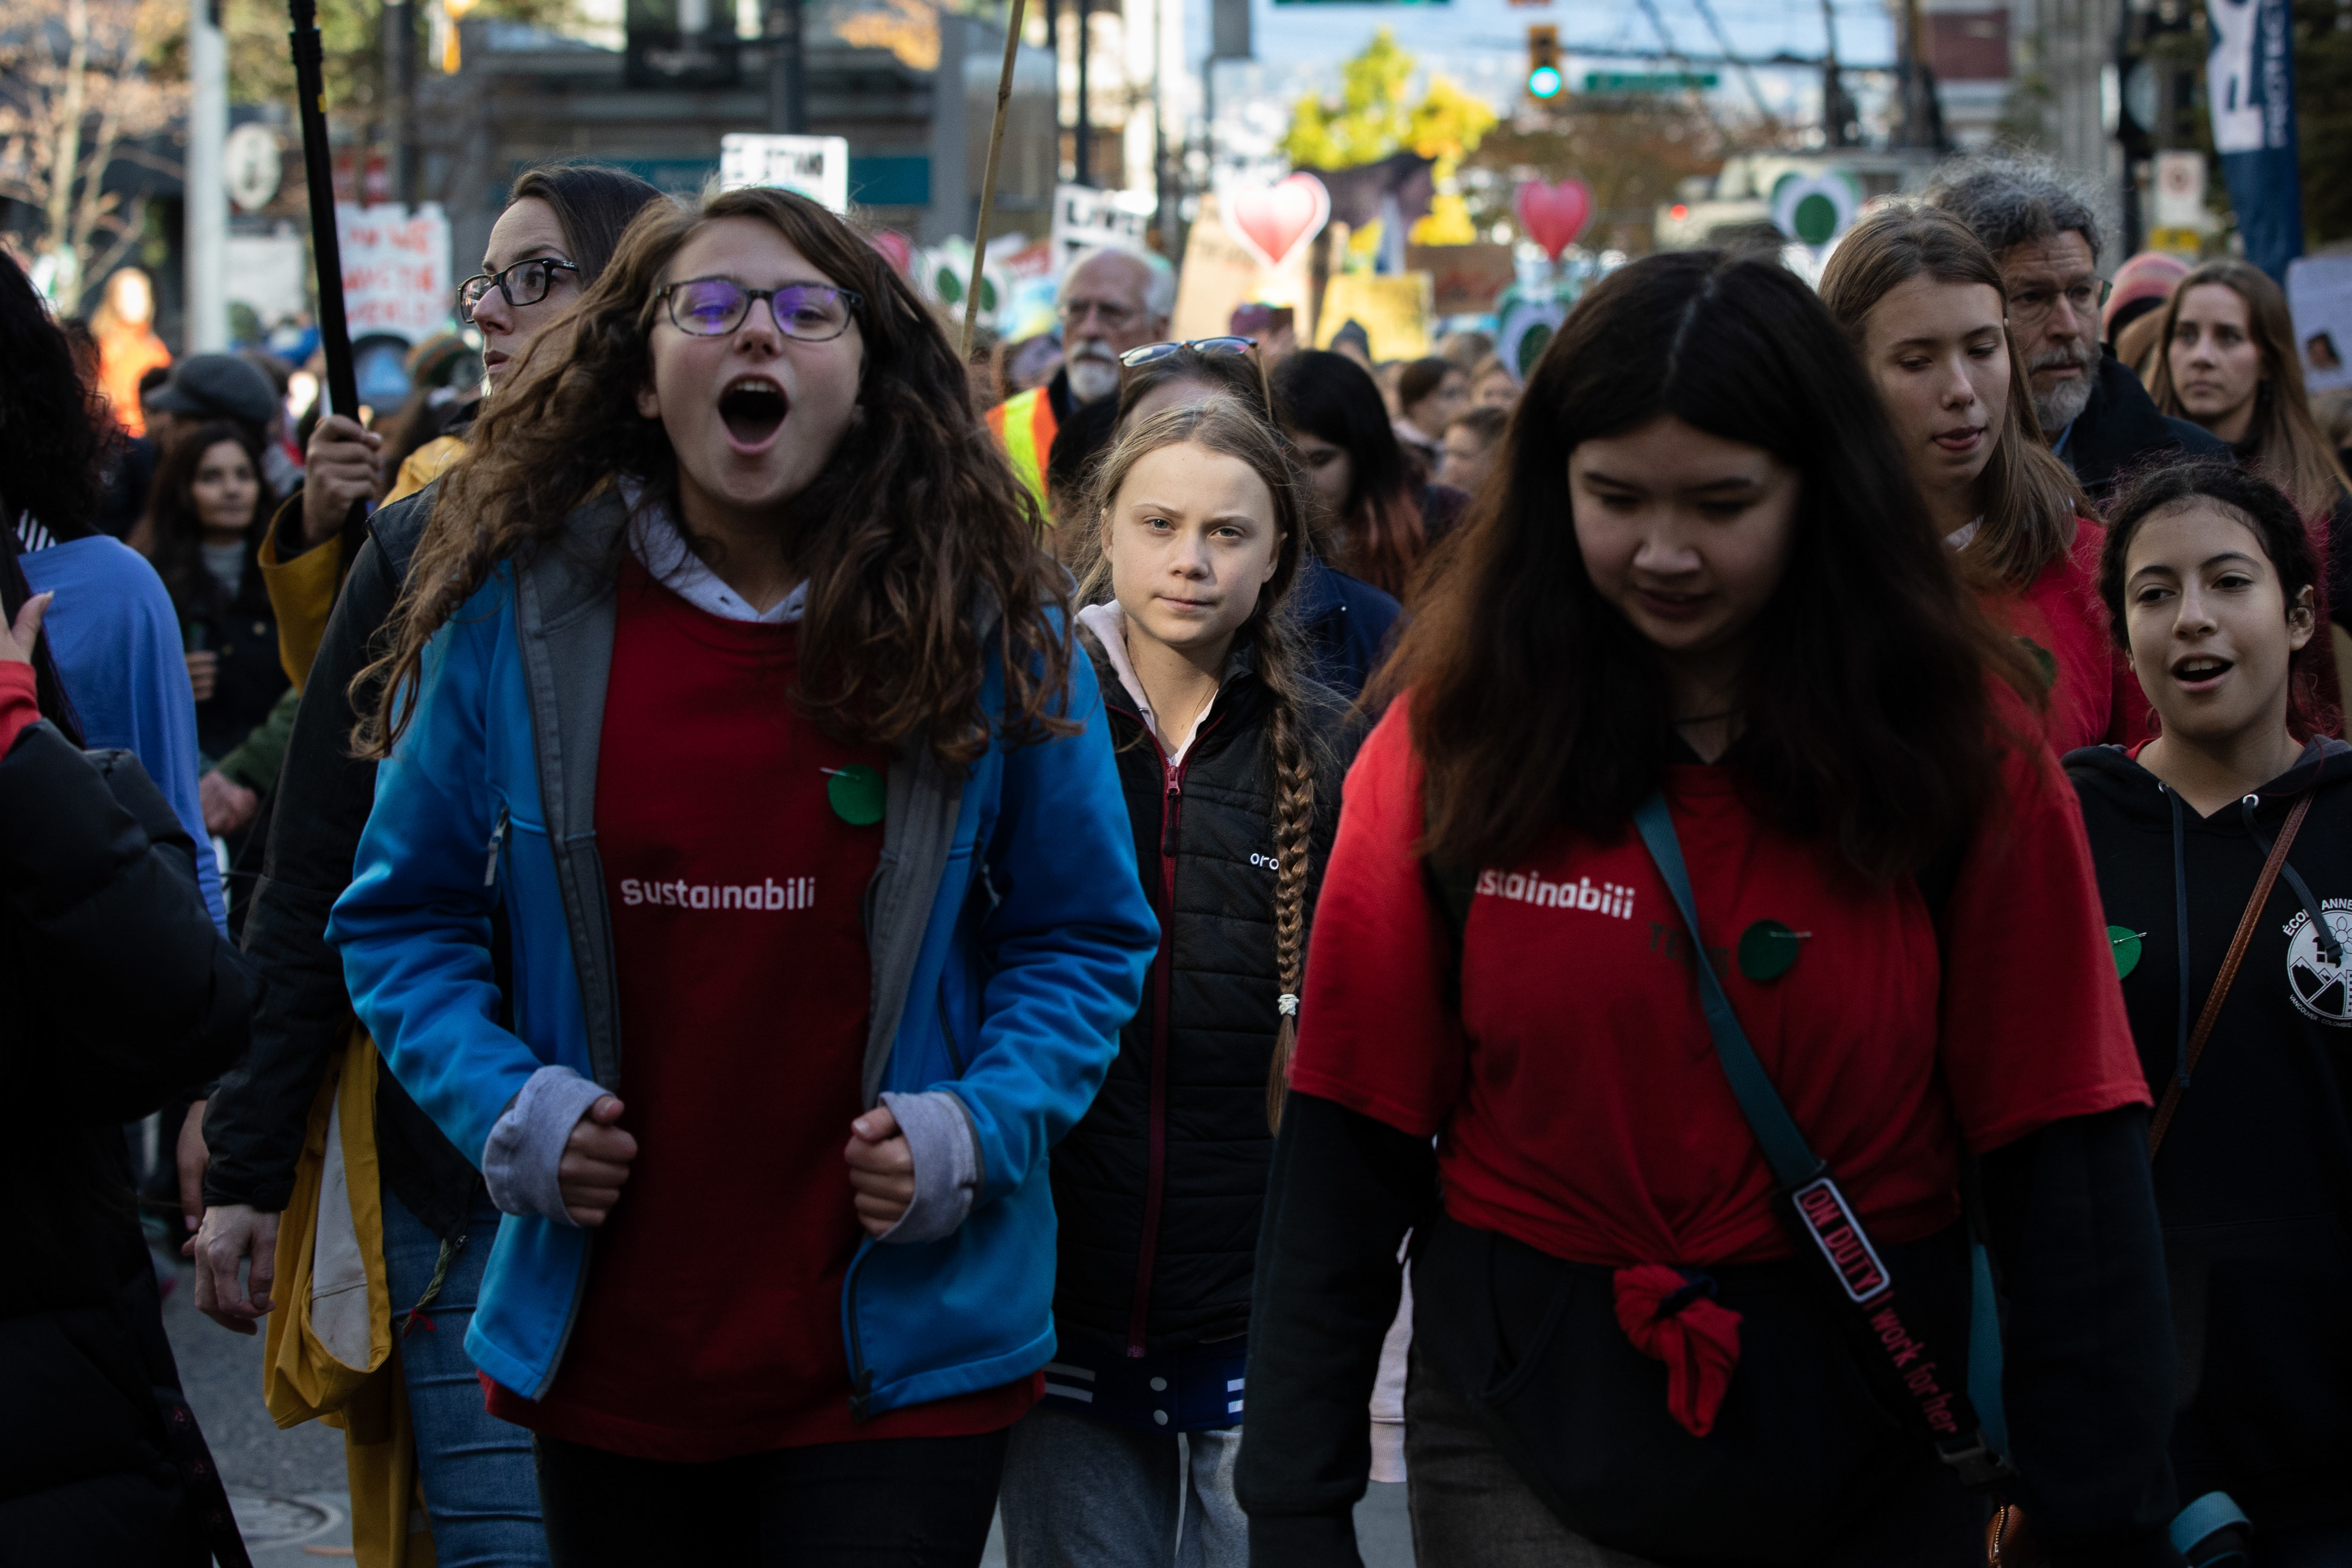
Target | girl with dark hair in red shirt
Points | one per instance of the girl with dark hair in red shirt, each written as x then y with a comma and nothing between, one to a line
1701,597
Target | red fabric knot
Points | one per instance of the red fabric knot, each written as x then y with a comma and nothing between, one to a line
1669,1317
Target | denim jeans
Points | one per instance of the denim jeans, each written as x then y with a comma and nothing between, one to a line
1081,1493
891,1503
479,1487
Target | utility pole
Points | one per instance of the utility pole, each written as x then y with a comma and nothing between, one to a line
1837,109
204,232
787,69
1084,162
400,95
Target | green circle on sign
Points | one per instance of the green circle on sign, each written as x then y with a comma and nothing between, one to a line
1767,950
856,795
1532,344
1816,218
2124,943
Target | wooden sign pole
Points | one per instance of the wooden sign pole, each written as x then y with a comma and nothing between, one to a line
988,179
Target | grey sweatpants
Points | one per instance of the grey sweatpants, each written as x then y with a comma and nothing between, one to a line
1080,1493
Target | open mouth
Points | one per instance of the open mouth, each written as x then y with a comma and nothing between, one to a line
1964,439
753,408
2201,671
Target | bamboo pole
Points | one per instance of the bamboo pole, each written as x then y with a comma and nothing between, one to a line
988,178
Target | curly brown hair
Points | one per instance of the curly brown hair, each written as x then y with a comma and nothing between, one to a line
914,536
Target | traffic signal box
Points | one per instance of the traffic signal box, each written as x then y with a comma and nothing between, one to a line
1543,61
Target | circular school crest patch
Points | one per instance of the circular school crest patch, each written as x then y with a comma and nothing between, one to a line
2319,986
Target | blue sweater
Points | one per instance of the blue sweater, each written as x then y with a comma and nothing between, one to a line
117,643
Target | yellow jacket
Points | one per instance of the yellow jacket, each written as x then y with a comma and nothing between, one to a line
331,1355
302,587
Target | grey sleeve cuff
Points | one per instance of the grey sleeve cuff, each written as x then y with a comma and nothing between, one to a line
945,1147
526,1146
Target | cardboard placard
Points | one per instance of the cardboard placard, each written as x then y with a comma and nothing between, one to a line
1394,309
1085,218
815,167
1465,279
1219,275
395,269
2319,292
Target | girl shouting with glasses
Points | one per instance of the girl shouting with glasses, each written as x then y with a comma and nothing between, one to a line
734,677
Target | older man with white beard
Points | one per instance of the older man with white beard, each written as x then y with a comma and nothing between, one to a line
2043,232
1112,301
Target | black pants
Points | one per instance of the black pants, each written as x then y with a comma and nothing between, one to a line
901,1502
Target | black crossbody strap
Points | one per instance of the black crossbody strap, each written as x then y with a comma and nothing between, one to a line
1825,1226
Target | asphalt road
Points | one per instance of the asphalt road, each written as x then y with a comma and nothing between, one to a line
288,1486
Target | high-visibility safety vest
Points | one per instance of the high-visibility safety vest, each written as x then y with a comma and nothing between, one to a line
1026,425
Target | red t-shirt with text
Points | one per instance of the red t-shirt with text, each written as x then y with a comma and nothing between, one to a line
1576,1095
711,1325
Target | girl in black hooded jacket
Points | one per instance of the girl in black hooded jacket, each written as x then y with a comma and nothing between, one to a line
1229,759
2210,576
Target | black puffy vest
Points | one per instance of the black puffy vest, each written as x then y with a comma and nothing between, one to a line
1208,1021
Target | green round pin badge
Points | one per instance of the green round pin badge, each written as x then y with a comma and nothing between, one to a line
2124,943
1767,950
2043,660
856,795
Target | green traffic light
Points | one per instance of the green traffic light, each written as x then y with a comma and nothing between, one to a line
1544,81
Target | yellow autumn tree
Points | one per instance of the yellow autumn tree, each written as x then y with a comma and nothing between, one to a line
1374,118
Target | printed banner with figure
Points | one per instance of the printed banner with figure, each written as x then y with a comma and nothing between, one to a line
2250,89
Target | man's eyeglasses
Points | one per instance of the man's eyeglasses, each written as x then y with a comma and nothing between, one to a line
714,306
2030,307
1208,348
1115,316
524,283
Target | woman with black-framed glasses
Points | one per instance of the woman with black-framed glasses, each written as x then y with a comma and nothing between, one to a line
438,1224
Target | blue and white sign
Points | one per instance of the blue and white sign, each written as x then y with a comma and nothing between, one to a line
2249,87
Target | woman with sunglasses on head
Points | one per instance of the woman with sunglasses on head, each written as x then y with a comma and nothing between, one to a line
1346,624
734,675
1924,304
1697,708
1230,759
437,1222
1374,515
2224,857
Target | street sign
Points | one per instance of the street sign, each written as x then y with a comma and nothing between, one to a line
251,165
1647,82
2181,190
815,167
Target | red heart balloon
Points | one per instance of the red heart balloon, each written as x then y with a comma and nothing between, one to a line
1271,224
896,248
1553,216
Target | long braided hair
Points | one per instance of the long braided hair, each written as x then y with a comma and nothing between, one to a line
1225,425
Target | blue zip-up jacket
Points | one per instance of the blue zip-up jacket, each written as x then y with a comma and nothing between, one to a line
1008,933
